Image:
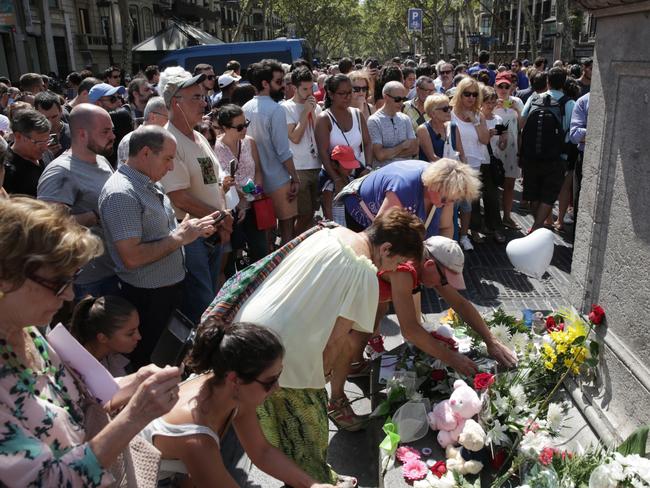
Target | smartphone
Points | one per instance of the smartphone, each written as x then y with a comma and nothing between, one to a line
54,140
220,218
233,167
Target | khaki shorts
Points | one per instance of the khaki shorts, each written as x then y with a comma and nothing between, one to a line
284,209
308,195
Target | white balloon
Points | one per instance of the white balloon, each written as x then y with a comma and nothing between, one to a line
532,254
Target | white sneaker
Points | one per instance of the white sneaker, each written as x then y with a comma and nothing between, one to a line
466,244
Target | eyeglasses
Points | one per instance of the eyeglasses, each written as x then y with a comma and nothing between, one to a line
445,109
37,142
357,89
240,127
111,99
467,94
503,86
57,287
398,99
268,385
446,72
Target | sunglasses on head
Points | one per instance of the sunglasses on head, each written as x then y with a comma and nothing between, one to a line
358,89
268,385
467,94
57,287
240,127
398,99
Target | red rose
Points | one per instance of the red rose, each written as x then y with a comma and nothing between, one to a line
597,314
438,374
483,381
439,469
498,459
552,325
546,456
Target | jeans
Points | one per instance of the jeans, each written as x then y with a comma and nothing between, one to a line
106,286
203,262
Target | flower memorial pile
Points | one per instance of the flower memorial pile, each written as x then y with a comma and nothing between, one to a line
517,424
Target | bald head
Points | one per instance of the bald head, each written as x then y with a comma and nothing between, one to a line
86,116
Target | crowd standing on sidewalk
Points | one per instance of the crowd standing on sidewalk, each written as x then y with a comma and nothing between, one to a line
200,196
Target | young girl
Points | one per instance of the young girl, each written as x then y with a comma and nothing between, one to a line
345,162
498,142
239,366
108,328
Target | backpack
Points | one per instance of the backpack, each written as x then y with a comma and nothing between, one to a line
542,138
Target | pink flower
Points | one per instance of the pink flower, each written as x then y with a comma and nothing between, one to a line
546,456
531,426
414,470
407,453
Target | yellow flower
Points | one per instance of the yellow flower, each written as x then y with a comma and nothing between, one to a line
561,348
548,365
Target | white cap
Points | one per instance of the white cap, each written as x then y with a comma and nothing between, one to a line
448,253
226,80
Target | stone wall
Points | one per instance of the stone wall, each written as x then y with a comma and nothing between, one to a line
611,261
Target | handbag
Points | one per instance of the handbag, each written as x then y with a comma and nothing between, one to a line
497,170
138,465
450,151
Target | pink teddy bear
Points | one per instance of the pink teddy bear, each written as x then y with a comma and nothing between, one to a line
448,417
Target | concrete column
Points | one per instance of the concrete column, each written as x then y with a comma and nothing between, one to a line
48,39
69,40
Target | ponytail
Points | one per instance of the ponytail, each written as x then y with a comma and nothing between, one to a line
102,315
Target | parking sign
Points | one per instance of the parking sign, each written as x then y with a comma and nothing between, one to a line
414,19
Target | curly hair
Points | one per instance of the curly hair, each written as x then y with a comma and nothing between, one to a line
401,229
452,179
35,234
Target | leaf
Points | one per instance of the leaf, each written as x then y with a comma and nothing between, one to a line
594,349
636,443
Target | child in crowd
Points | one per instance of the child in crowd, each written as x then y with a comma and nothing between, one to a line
108,328
343,157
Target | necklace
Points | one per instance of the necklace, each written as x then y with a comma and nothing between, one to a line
27,377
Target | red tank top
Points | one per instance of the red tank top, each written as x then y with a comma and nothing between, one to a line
385,292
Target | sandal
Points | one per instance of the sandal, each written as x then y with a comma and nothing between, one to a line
360,369
340,412
343,481
510,224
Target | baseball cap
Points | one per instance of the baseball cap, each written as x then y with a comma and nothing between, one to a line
175,79
226,80
503,77
448,253
104,90
345,157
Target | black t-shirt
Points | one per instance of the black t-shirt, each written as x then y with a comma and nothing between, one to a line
21,175
122,125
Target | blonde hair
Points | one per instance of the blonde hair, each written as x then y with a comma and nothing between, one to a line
434,101
465,84
452,179
35,234
359,75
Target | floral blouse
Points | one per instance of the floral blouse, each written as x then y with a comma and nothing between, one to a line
245,165
42,425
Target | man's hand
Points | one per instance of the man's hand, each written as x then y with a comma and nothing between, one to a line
191,229
294,187
502,354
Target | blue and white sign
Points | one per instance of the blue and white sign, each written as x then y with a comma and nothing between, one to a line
415,19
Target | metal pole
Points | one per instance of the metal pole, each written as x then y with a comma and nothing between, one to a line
518,30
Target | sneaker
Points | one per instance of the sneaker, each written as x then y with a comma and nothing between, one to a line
341,414
465,243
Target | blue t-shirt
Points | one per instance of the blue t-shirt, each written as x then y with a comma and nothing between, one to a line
404,178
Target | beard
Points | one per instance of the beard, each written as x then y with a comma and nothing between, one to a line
277,95
106,151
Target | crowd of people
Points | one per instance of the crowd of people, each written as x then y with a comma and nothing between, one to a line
279,209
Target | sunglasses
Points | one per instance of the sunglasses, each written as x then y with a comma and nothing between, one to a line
444,109
268,385
58,287
209,77
357,89
240,127
111,99
443,276
467,94
503,86
398,99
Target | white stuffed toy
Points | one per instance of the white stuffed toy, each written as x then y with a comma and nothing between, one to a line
449,416
468,459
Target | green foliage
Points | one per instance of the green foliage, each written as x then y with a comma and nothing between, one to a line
636,443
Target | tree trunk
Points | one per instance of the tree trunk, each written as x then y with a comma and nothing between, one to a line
531,28
127,35
562,15
245,12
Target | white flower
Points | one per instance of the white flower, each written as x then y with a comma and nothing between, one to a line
555,416
446,481
533,442
519,341
606,476
634,464
518,395
501,334
501,404
497,436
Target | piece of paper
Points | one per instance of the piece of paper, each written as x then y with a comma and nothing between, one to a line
98,380
387,369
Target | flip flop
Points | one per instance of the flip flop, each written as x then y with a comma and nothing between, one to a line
510,224
343,481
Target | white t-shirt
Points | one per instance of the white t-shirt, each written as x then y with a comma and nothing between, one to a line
305,153
475,152
196,169
494,140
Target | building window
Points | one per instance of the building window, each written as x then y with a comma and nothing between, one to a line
135,22
53,3
147,22
84,21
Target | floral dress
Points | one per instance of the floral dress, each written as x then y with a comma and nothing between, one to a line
42,425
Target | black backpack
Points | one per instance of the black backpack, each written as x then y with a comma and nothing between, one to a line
542,138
